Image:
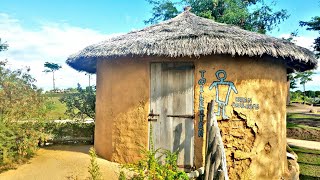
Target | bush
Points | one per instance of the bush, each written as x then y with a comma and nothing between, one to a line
18,141
81,104
20,100
62,132
151,167
94,168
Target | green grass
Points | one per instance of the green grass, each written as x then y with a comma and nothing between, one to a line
309,162
301,116
293,125
56,109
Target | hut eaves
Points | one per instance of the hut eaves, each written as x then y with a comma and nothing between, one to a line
192,36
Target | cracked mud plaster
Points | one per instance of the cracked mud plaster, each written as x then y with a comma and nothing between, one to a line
239,134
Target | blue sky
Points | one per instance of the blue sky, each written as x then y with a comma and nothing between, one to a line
43,30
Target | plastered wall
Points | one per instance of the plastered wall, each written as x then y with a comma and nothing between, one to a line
122,109
255,139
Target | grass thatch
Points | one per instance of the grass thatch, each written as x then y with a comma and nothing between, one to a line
192,36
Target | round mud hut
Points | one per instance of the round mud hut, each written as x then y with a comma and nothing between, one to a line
163,77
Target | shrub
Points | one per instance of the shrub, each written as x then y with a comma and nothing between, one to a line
69,129
18,141
151,167
80,104
20,100
94,168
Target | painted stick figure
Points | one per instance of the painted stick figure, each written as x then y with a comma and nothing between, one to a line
222,103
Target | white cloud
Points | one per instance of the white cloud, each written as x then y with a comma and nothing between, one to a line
52,42
307,42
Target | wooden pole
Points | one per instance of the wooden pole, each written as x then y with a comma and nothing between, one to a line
215,159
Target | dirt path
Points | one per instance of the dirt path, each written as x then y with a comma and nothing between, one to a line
304,144
61,162
301,108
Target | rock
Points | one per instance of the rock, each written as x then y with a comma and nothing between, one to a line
313,111
294,170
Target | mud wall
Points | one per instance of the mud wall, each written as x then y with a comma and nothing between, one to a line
254,136
255,133
122,109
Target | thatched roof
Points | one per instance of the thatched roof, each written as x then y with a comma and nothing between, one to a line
193,36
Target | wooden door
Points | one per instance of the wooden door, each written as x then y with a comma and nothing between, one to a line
171,109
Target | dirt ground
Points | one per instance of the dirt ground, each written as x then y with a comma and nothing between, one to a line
304,124
61,162
304,143
301,108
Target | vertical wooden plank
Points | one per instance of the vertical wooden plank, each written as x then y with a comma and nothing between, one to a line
155,106
183,105
172,93
169,84
190,110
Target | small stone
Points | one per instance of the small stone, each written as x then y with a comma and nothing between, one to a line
313,111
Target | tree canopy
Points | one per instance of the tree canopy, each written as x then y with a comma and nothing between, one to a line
81,104
304,77
252,15
52,67
3,46
314,25
20,98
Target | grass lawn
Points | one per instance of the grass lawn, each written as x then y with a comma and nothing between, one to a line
57,109
309,162
302,116
303,126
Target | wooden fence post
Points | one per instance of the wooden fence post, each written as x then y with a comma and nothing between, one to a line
215,159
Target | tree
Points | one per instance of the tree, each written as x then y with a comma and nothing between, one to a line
3,46
304,77
252,15
20,98
81,104
52,67
293,82
314,25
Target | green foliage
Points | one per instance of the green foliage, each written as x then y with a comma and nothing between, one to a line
55,109
19,141
304,77
252,15
151,167
81,104
69,129
296,96
309,162
94,168
20,98
122,176
314,25
293,82
3,46
52,67
162,10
